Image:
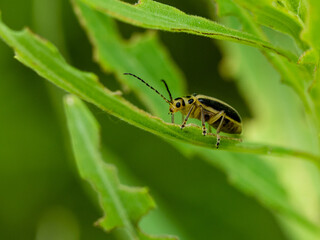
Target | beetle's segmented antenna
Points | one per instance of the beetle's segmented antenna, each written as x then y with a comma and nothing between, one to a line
167,89
152,87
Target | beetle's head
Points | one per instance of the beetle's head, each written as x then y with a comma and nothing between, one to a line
176,105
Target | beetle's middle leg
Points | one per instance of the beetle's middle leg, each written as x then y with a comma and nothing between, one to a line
187,117
204,130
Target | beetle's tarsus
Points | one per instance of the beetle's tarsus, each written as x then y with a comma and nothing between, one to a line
218,141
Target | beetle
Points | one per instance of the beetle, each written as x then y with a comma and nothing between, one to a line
215,112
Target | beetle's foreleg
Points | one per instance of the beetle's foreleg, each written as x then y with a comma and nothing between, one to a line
204,130
187,117
218,129
172,117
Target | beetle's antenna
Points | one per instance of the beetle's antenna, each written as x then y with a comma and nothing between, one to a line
167,89
152,87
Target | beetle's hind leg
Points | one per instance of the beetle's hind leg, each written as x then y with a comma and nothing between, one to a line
218,130
215,118
204,130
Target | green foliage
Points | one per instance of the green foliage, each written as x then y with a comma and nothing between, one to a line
47,62
276,16
237,168
310,33
284,31
151,14
123,205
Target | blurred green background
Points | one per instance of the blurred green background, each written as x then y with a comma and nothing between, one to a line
42,196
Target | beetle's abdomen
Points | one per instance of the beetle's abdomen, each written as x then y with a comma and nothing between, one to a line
228,126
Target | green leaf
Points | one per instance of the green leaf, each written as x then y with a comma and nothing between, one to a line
275,16
312,36
123,206
297,76
154,15
44,58
311,32
275,120
298,7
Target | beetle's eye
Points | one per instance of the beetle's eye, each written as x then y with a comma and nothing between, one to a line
178,104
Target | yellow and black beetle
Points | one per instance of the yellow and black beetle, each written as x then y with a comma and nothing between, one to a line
215,112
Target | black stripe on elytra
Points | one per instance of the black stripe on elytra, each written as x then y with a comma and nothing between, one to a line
190,101
219,107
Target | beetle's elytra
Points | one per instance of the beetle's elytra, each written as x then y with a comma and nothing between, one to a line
215,112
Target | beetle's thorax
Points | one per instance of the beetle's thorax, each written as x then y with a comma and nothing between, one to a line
182,104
